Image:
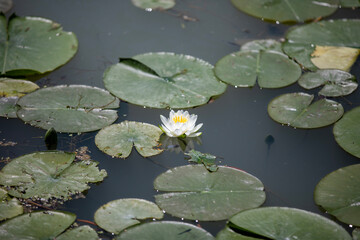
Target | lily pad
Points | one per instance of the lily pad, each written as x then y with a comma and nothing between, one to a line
120,214
301,41
165,230
9,207
347,132
73,108
154,4
350,3
117,140
8,107
33,45
163,80
356,234
79,233
36,225
330,57
287,10
287,223
296,110
51,174
15,87
338,200
271,69
195,193
228,234
336,82
5,5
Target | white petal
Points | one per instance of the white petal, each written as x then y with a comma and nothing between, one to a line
165,122
197,127
195,134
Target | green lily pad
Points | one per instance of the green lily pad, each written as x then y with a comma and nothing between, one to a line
15,87
51,174
347,132
165,230
287,223
301,41
263,44
271,69
5,5
163,80
117,215
33,45
350,3
9,207
296,110
154,4
287,10
79,233
195,193
8,107
336,82
339,194
36,225
228,234
117,140
73,108
356,234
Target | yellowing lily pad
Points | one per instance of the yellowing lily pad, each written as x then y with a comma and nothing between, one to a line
165,230
33,45
339,194
36,225
73,108
330,57
154,4
163,80
117,215
336,82
287,10
16,88
287,223
117,140
51,174
301,41
297,110
192,192
347,132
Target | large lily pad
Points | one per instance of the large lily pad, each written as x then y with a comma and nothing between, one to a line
195,193
347,132
33,45
336,82
162,80
339,194
287,10
120,214
154,4
117,140
36,225
49,174
296,110
73,108
165,230
15,87
270,68
301,41
79,233
287,223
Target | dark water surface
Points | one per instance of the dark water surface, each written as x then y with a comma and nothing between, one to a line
236,125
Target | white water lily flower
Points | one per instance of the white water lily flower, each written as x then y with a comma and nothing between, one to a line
179,124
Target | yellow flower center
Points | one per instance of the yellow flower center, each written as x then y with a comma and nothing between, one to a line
180,119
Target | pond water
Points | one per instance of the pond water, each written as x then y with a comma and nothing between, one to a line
236,125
